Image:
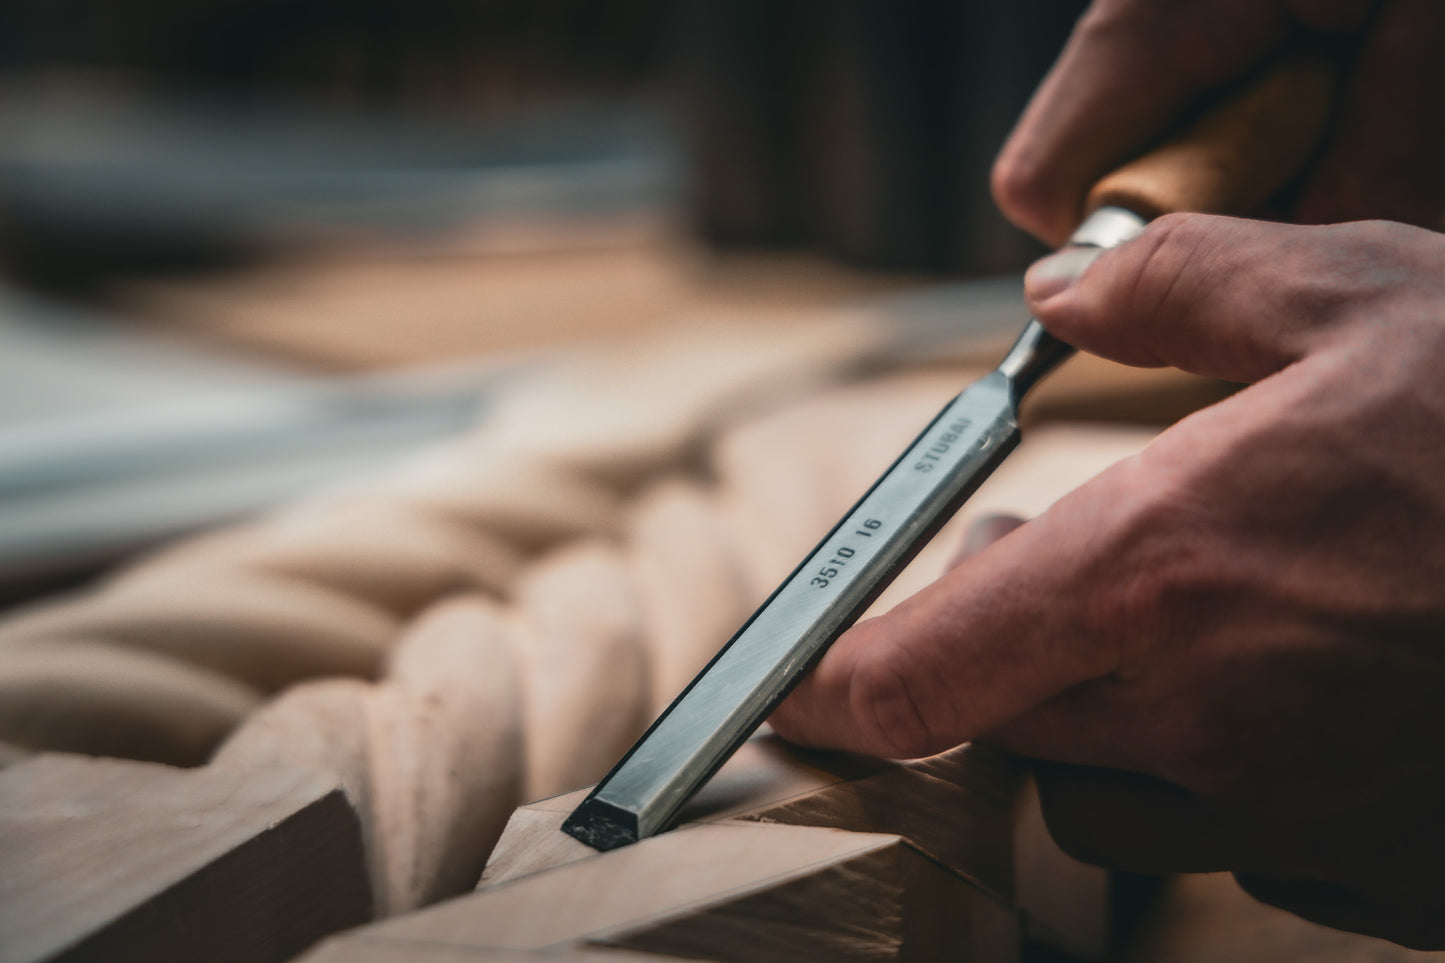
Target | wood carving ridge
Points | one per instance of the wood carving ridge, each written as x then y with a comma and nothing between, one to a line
498,620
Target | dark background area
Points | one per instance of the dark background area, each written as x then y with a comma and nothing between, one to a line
860,128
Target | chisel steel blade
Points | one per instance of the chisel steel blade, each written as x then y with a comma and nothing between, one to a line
827,593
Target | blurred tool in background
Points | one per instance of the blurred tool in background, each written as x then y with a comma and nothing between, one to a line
862,127
371,163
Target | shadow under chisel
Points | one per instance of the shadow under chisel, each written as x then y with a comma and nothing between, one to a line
827,593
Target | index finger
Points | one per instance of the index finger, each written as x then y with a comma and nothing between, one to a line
1003,631
1130,70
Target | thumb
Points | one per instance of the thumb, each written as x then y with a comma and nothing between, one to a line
1003,631
1216,296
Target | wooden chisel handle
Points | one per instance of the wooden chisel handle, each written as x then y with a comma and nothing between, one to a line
1239,154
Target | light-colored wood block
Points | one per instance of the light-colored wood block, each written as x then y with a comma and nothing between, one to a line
737,891
957,807
319,726
431,757
109,860
971,809
763,772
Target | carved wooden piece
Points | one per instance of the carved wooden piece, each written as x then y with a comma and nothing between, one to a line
261,630
68,696
970,809
103,859
390,553
690,583
736,891
488,485
762,773
430,754
431,758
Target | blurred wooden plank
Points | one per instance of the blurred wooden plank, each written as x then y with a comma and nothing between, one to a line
351,312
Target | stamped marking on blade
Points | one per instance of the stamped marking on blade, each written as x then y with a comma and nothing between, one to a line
823,596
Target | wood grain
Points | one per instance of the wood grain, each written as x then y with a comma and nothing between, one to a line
108,860
736,891
970,810
431,758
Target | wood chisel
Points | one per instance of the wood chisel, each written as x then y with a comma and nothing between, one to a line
1233,159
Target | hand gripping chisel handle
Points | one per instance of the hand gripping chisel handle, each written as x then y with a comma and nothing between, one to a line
1231,161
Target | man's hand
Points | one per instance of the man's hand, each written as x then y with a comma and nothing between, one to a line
1133,67
1232,646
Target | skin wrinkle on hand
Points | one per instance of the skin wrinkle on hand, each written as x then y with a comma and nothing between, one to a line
1267,554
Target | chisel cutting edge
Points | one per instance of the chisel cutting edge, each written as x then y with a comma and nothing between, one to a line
1232,160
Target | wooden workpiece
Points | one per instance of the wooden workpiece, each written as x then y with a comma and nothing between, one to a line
736,891
397,555
104,859
971,810
592,590
480,703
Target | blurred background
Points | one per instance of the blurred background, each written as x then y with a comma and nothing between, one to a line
249,245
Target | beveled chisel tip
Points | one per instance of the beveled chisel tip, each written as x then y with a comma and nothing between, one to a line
601,825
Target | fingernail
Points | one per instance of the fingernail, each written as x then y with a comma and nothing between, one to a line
1057,272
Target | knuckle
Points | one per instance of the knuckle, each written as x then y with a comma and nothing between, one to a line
1014,183
892,713
1164,269
1028,193
1325,273
1156,573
